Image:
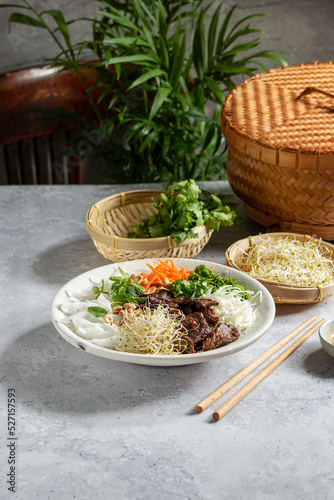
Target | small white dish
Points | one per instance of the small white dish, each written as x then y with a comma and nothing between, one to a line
265,314
326,335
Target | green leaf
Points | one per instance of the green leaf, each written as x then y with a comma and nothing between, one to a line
161,18
122,298
242,21
240,47
147,76
209,136
197,115
144,25
215,89
184,103
181,210
127,41
163,53
118,69
139,130
97,311
179,236
97,291
268,55
165,145
233,69
200,54
150,138
124,275
124,289
119,19
140,58
218,139
185,90
160,97
58,16
213,33
201,280
222,31
198,95
178,58
243,32
23,19
15,6
151,16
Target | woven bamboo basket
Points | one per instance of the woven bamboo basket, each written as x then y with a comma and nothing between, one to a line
282,293
109,221
280,129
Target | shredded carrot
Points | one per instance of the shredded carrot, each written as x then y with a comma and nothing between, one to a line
164,269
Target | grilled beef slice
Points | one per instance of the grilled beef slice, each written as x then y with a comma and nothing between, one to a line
197,329
202,329
211,317
189,306
162,298
222,335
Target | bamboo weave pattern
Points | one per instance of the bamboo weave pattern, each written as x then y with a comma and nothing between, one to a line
280,130
109,221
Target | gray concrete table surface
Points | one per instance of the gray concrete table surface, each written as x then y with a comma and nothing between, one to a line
88,427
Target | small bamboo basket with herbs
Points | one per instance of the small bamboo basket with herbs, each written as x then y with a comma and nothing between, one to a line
150,223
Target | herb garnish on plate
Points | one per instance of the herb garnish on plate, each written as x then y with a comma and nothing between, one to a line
201,280
123,289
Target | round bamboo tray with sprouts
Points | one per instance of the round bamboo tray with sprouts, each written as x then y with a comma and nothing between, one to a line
295,268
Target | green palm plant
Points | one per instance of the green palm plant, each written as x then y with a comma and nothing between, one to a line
162,69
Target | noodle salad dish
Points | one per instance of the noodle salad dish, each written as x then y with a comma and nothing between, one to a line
173,308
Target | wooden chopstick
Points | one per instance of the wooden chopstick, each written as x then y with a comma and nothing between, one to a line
246,389
224,388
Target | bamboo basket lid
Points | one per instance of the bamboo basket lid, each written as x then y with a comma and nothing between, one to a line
284,117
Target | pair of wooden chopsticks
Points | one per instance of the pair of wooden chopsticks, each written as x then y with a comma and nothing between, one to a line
247,388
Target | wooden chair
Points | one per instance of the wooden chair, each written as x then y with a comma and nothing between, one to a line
29,155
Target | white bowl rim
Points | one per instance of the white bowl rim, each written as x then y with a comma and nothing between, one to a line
323,335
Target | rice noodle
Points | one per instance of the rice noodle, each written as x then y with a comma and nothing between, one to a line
232,309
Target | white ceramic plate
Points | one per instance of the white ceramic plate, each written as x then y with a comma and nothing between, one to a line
265,315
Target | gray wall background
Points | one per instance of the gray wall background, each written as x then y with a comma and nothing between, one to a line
302,28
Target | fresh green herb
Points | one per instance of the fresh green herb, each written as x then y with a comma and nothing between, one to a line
183,208
98,290
201,280
98,312
125,289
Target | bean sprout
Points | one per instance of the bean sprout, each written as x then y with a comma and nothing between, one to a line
156,331
289,261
